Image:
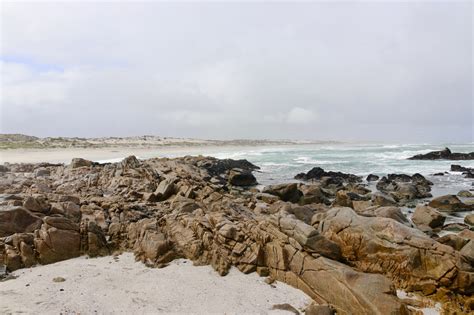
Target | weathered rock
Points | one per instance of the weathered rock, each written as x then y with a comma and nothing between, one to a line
404,188
445,154
393,213
42,172
426,216
459,168
383,200
469,219
165,189
238,177
455,241
449,203
37,204
404,254
465,194
286,192
79,162
17,220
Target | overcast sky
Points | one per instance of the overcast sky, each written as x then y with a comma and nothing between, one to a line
391,71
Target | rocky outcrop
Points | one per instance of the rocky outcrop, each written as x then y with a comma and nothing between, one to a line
372,178
426,217
405,188
163,209
404,254
445,154
318,173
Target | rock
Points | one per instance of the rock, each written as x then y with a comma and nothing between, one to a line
165,189
372,178
38,204
449,203
403,188
316,309
17,220
59,279
239,177
459,168
465,194
286,192
318,173
445,154
383,200
468,251
455,227
79,162
469,219
406,255
42,172
453,240
58,239
438,174
393,213
425,216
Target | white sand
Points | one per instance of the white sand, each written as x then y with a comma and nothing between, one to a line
109,286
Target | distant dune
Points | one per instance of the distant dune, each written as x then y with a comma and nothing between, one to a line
19,141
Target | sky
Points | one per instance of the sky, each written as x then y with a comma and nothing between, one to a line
351,71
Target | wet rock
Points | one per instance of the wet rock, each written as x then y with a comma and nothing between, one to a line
404,188
449,203
318,173
465,194
459,168
445,154
372,178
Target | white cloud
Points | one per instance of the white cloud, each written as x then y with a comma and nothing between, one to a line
298,115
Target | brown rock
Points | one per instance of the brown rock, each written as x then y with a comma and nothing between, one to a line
426,216
449,203
17,220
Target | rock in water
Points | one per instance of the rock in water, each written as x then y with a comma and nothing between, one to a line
425,216
449,203
445,154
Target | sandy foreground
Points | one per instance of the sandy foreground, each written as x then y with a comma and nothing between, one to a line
111,285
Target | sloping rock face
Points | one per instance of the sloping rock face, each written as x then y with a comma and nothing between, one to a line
17,220
404,254
445,154
163,209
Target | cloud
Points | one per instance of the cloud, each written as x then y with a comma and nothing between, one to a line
234,70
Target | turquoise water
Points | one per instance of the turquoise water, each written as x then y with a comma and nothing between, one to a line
283,163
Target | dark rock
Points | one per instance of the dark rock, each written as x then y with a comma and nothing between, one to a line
404,188
238,177
459,168
445,154
318,173
286,192
79,162
372,178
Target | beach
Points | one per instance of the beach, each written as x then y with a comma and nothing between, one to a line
120,285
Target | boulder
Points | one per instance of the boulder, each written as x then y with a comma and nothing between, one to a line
238,177
372,178
79,162
459,168
165,189
469,219
38,204
393,213
453,240
425,216
286,192
465,194
58,239
449,203
383,200
17,220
